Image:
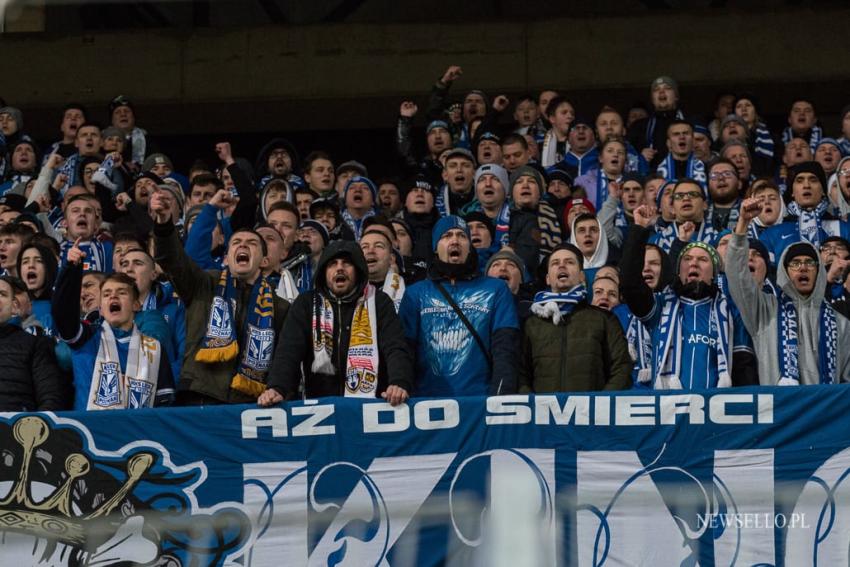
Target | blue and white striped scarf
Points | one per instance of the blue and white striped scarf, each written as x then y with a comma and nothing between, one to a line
789,350
668,353
640,348
814,140
555,306
763,141
809,222
694,169
733,215
667,235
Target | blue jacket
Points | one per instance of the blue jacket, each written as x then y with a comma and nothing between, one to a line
449,361
199,240
779,236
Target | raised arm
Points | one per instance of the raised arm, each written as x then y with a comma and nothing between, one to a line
637,294
186,276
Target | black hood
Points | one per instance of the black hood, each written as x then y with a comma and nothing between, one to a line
262,163
336,249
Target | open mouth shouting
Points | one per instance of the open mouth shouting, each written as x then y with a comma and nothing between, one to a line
114,306
242,257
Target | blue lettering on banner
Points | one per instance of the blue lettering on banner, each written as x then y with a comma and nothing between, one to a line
726,477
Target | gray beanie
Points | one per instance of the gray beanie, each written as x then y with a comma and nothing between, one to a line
497,170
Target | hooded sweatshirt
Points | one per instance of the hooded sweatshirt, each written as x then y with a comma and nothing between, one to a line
760,312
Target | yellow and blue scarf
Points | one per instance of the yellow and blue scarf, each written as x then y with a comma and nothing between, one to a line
221,343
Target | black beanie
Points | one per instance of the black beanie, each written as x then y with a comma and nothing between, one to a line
808,167
478,216
799,249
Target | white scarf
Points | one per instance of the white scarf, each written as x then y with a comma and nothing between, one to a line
394,287
139,145
136,388
361,369
287,288
549,153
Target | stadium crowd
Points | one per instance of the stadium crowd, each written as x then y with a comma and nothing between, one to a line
531,246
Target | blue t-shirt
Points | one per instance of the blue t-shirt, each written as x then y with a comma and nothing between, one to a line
449,361
698,369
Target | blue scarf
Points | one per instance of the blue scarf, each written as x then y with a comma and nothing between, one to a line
668,234
356,225
789,363
733,215
764,145
640,348
809,222
814,138
555,306
668,355
220,343
694,169
304,280
96,259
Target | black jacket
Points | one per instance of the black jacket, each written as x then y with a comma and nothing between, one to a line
295,347
31,379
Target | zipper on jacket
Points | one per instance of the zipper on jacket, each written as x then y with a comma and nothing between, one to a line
563,356
340,323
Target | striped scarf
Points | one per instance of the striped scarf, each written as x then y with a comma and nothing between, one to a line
809,223
220,344
668,349
789,362
555,306
361,367
815,135
694,169
763,144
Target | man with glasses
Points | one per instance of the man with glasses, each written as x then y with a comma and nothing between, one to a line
724,188
689,206
796,333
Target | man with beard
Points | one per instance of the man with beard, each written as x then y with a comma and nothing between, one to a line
582,156
649,135
457,189
345,335
724,190
278,159
798,336
689,200
462,326
569,345
693,328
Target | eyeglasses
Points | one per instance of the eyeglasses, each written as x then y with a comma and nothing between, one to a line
832,247
844,172
689,195
721,174
797,264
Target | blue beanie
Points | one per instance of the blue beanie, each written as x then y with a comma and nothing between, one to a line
661,192
444,225
359,179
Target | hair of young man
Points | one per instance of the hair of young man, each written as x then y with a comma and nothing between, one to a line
515,139
263,246
313,156
121,278
207,179
284,206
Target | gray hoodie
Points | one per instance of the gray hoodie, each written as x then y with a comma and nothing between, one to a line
760,312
